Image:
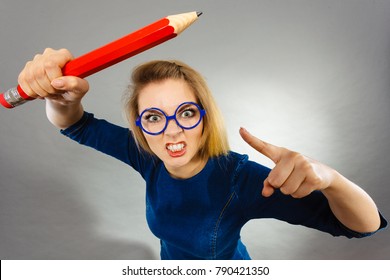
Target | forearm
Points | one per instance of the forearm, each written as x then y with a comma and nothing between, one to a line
352,206
63,115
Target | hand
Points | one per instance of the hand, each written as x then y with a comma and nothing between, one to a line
294,174
42,78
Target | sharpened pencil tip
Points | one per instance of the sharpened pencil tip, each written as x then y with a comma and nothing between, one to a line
199,13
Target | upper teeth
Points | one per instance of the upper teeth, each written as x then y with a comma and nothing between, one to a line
175,147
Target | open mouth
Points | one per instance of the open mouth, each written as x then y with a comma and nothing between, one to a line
174,148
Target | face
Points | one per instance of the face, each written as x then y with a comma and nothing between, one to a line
176,147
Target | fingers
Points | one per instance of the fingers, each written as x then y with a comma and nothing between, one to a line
306,175
305,188
37,75
281,172
270,151
286,175
294,174
268,189
71,84
293,185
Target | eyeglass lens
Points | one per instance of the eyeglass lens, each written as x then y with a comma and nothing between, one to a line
155,120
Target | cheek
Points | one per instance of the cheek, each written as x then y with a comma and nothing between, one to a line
154,143
196,134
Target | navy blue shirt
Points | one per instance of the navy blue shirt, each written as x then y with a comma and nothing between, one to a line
201,217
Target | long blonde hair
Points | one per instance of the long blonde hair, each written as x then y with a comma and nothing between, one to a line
214,140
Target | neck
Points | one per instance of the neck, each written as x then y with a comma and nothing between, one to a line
188,171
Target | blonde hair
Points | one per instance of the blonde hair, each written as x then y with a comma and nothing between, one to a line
214,140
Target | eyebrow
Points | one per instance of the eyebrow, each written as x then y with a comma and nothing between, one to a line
184,107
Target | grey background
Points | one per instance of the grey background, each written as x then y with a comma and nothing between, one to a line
309,75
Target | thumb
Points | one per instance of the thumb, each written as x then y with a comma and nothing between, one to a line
71,84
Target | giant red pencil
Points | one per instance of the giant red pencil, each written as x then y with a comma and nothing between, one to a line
114,52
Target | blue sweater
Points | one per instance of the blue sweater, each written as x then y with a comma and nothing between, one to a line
201,217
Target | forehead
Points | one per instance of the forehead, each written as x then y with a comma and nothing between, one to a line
166,95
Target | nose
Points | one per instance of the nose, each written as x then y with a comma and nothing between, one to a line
172,128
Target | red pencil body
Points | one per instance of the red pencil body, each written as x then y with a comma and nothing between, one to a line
112,53
119,50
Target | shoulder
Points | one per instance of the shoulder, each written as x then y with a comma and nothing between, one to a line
240,167
229,162
91,124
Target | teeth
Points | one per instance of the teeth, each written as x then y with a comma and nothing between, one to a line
175,147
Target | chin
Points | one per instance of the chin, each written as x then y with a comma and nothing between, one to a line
176,162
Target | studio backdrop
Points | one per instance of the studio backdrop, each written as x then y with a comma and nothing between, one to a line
309,75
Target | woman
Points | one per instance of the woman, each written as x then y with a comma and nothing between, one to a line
199,194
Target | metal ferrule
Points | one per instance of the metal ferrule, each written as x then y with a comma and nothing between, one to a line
13,97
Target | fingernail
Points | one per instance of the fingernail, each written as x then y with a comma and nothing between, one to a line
58,83
244,130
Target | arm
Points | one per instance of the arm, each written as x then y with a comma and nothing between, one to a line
352,205
298,176
42,78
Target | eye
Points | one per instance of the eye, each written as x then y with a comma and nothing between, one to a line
152,117
188,113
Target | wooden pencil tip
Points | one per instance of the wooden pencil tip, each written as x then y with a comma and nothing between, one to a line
199,13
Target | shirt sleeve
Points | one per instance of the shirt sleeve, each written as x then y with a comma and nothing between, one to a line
312,211
107,138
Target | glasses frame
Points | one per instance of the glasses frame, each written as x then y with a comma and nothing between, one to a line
169,118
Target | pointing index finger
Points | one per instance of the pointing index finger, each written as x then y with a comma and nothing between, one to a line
270,151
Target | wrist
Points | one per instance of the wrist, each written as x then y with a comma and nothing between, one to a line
336,181
63,115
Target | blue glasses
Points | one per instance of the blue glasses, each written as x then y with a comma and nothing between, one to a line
154,121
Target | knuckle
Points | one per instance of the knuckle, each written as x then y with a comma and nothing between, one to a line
49,64
297,195
285,190
316,180
72,82
307,167
21,77
37,57
29,64
48,50
23,73
274,182
65,52
29,78
288,152
302,191
86,84
39,71
304,163
299,158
